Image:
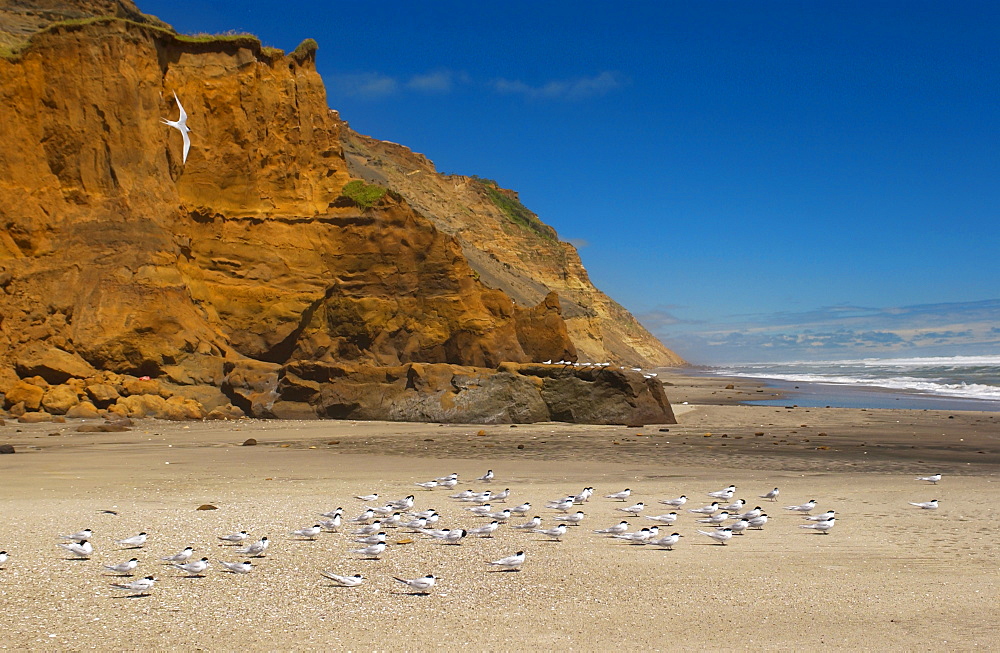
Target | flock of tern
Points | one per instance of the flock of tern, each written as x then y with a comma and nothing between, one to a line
724,518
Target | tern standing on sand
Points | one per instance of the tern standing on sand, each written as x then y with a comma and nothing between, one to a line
180,125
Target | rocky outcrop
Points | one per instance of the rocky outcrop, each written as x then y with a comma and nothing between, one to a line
134,284
511,393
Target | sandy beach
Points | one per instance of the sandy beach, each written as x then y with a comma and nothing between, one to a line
889,575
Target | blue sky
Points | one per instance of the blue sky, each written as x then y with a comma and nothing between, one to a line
754,180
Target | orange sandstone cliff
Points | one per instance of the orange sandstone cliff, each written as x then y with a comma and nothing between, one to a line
510,249
256,277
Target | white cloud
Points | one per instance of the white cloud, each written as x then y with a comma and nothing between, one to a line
440,81
570,89
364,85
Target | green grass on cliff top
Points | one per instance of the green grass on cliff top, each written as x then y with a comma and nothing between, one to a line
516,212
307,47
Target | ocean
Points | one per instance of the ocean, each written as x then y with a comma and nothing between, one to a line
939,383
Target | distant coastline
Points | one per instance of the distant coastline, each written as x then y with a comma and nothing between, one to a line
939,383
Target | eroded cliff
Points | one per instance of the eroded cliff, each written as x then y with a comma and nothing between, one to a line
510,249
222,276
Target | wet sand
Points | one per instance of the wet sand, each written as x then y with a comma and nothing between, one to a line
889,576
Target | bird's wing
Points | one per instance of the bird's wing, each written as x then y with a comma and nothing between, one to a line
184,115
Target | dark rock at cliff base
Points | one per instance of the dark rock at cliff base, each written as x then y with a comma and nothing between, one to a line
6,448
510,393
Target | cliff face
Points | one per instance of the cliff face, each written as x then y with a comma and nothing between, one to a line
510,249
216,275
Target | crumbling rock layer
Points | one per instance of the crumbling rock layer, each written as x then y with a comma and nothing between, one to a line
242,281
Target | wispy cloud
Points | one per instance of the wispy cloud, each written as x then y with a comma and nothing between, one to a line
568,89
439,81
376,86
369,86
946,328
663,317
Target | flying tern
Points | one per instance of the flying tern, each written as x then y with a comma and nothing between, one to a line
180,125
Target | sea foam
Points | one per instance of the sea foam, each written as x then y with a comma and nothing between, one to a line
972,377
